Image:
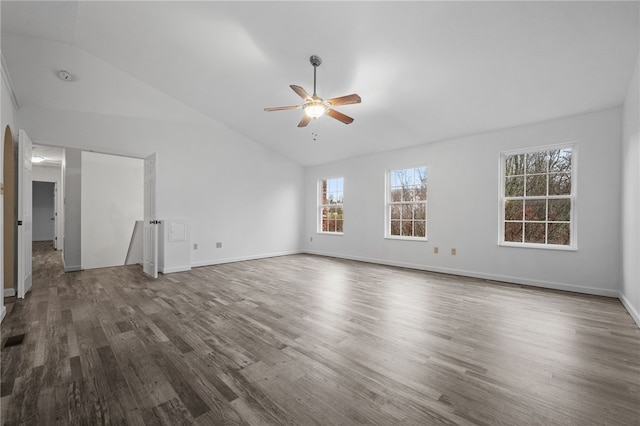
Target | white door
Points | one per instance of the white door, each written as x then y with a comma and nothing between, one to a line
150,246
25,214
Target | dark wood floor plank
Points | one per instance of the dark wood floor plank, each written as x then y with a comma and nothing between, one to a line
303,340
180,383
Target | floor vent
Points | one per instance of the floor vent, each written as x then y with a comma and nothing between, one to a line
14,340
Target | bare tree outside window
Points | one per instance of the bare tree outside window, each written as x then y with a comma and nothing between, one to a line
407,203
538,197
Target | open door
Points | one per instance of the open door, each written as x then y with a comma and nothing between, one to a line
25,214
150,245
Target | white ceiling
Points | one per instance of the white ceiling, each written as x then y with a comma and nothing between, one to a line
426,71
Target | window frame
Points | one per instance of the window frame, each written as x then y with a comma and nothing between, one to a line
321,206
573,236
388,203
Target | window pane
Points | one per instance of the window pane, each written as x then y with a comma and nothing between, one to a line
396,195
395,212
339,225
534,233
397,178
559,233
537,162
420,212
331,225
535,210
560,210
420,229
513,232
514,186
513,209
395,227
560,160
560,184
407,229
536,185
408,194
514,165
421,193
407,212
421,176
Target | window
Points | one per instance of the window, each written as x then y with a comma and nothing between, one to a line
331,213
406,209
538,198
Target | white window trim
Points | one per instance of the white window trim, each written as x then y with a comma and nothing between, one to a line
573,246
387,219
320,206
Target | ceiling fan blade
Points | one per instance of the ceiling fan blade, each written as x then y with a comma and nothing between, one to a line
344,100
283,108
305,120
301,92
339,116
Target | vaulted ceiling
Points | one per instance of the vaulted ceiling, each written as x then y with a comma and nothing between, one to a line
426,71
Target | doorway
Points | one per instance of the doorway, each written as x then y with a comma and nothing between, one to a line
44,213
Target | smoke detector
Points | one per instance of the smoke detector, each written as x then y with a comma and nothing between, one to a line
64,75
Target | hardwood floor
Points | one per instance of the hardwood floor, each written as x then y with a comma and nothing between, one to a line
304,340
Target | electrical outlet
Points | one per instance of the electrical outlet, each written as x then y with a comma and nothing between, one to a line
195,246
218,245
453,252
436,250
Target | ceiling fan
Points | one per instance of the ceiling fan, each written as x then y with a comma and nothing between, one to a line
314,106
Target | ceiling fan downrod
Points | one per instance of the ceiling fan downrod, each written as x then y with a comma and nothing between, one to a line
315,61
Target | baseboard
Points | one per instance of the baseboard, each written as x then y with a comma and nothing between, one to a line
481,275
629,307
243,258
73,268
174,269
4,312
8,292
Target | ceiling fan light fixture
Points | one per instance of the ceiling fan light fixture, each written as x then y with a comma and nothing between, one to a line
315,109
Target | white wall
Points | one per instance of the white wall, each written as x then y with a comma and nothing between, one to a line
231,189
463,207
630,289
72,181
112,200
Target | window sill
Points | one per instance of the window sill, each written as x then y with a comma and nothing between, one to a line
421,239
539,246
330,233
